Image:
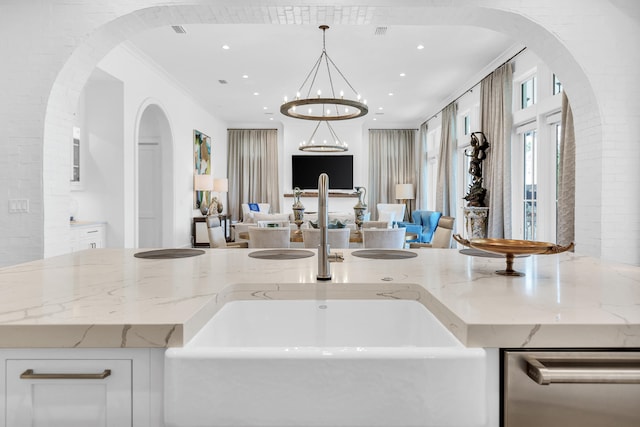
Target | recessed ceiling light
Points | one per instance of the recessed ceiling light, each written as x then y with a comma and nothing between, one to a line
270,118
402,74
380,108
390,93
256,93
264,108
374,119
225,46
244,76
420,47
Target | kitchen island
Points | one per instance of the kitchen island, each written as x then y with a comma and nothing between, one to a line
109,314
109,298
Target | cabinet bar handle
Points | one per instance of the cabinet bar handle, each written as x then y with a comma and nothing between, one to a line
30,375
583,370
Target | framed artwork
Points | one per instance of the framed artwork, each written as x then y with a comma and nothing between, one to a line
201,161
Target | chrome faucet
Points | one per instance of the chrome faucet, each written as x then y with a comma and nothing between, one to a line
324,271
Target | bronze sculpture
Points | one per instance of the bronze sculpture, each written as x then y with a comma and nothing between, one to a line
475,196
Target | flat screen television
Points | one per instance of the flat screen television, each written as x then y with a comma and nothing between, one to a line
307,169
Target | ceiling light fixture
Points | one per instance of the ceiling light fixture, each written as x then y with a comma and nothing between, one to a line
328,144
329,107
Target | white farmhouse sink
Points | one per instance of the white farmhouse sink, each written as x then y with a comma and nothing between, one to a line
325,363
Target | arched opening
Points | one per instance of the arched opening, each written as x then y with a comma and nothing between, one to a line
518,26
155,186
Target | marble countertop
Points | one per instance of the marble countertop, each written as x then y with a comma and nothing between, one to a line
109,298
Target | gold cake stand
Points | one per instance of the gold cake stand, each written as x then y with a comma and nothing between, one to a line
510,248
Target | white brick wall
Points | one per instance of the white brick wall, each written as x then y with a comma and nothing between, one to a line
591,45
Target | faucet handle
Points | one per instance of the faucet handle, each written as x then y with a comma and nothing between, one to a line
336,257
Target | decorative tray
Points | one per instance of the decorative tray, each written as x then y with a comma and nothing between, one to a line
510,248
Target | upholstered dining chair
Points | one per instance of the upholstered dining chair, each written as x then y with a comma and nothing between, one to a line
441,235
338,238
217,239
269,237
383,238
390,212
375,224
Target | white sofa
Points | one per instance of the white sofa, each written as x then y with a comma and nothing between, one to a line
390,212
251,218
248,213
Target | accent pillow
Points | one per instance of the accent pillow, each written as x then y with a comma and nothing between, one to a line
387,216
254,207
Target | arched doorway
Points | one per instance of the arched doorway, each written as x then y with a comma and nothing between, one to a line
535,29
154,193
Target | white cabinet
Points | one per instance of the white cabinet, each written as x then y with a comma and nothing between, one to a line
81,387
87,236
68,393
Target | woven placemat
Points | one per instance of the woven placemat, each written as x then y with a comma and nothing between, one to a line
281,254
169,253
384,254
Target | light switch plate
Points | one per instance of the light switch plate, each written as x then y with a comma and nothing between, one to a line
18,205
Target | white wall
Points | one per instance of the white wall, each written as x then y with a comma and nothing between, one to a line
102,158
145,85
592,44
351,131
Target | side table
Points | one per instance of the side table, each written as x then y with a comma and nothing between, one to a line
199,234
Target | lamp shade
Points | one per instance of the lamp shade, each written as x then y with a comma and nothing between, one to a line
404,192
202,182
221,185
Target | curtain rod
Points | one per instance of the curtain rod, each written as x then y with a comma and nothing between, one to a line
394,129
252,129
471,88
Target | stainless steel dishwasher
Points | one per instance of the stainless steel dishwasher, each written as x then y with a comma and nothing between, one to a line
571,388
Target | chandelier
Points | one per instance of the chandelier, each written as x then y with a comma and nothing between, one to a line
333,144
310,104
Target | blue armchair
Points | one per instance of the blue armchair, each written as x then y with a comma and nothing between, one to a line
423,224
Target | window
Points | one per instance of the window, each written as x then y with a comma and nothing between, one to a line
467,125
528,92
557,86
530,190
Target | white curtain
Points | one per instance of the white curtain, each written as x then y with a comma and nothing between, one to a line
566,177
446,183
253,169
392,160
496,120
422,184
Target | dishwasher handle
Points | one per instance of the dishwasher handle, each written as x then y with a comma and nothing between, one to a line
586,370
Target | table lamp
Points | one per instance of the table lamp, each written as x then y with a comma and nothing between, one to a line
220,185
203,183
405,193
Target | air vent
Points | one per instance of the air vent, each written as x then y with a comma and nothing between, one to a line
223,82
381,31
179,29
379,114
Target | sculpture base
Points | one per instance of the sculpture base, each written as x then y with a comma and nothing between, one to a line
476,220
